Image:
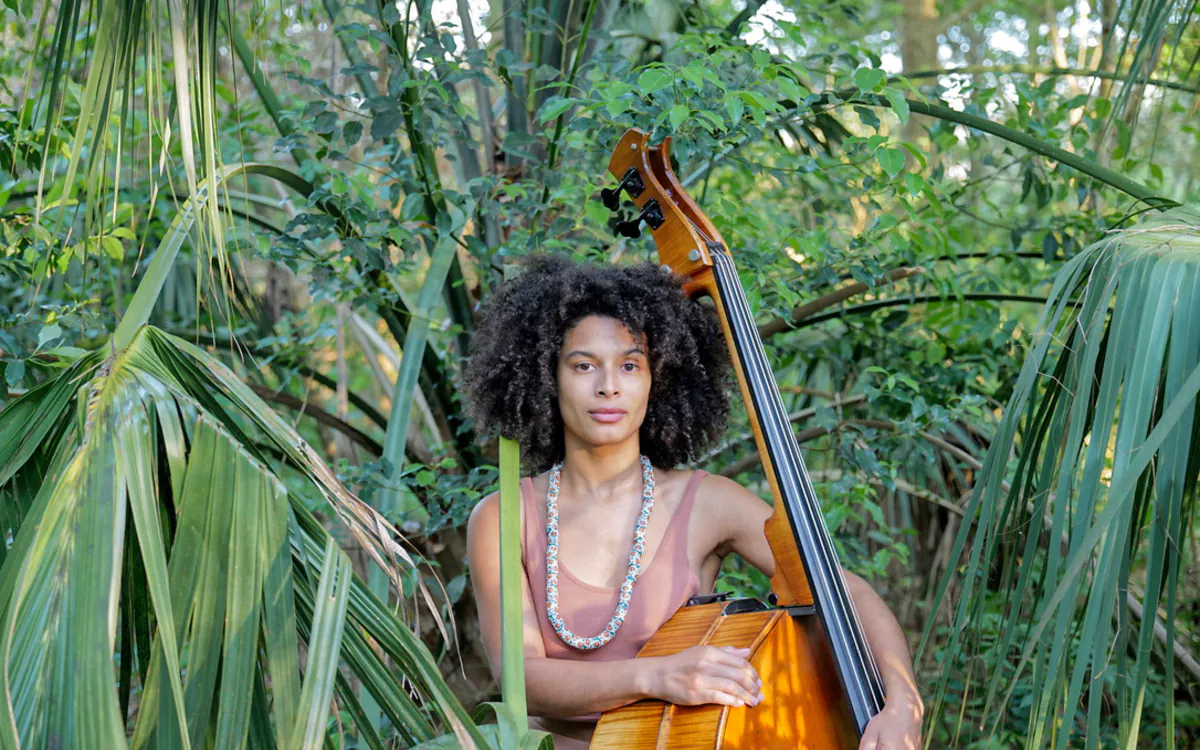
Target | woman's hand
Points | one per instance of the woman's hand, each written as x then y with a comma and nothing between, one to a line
896,727
704,674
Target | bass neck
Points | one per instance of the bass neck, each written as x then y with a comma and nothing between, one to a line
807,569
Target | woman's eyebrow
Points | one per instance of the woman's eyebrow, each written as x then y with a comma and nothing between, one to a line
581,353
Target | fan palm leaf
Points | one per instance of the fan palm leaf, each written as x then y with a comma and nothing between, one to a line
232,569
1102,424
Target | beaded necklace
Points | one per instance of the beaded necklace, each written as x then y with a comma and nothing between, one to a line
635,560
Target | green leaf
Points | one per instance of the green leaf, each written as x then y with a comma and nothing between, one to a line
694,74
385,124
868,79
914,152
14,372
225,581
734,106
47,334
352,132
899,104
413,206
891,159
716,124
325,123
325,639
512,673
553,108
29,421
791,90
913,183
655,79
1077,101
279,613
113,246
679,113
406,380
243,596
156,275
137,463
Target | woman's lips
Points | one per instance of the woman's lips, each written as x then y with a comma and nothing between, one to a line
607,415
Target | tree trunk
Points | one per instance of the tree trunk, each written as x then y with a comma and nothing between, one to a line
918,45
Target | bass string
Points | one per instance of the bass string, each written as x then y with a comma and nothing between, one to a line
866,676
830,584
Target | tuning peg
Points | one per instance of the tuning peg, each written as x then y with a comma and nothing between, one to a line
631,182
651,213
629,229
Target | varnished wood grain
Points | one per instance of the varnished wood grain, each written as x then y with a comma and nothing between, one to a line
689,626
803,704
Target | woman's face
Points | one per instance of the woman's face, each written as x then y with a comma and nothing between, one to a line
603,381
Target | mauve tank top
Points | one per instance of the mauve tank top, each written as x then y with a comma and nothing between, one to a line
664,586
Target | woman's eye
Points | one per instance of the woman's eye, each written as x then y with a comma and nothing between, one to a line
580,367
630,366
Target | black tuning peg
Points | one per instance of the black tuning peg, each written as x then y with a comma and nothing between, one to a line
631,182
651,213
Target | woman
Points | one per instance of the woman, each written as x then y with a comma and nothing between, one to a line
612,378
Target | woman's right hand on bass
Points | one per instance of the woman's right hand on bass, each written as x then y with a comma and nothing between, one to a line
704,674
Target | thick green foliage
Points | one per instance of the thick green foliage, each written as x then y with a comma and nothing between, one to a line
897,237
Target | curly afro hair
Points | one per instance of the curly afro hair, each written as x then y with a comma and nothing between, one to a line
511,378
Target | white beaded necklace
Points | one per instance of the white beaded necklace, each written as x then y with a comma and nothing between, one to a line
635,560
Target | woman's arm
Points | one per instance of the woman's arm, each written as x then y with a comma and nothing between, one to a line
899,724
743,515
566,688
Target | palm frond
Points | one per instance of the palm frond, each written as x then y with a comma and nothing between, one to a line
1103,426
163,433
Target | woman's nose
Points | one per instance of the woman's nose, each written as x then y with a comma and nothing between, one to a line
608,384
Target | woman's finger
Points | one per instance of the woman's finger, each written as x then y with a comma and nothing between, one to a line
744,675
737,658
732,688
721,698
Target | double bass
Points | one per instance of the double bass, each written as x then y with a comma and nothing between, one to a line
820,683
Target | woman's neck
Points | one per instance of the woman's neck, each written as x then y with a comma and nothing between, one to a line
601,472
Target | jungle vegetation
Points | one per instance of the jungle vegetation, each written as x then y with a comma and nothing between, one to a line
242,249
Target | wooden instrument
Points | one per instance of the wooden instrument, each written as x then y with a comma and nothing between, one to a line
820,683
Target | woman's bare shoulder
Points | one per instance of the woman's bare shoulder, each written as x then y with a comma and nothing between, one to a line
725,491
728,505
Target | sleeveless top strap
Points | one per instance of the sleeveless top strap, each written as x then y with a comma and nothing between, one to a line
689,494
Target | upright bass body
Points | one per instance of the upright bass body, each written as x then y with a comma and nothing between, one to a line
820,682
803,704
